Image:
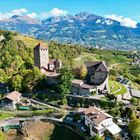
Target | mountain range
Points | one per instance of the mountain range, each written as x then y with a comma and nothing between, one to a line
84,28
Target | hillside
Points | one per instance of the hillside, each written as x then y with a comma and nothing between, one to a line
84,28
17,62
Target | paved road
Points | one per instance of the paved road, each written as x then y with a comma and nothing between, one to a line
15,121
97,97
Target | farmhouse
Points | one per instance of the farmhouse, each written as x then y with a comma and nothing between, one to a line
11,99
98,121
96,79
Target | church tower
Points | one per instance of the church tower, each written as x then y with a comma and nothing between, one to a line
41,56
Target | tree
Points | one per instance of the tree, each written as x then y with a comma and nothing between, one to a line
3,76
31,79
64,81
132,114
83,71
16,82
64,101
96,138
78,105
77,117
134,129
134,101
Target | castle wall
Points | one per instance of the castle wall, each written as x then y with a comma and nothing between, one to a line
41,58
98,78
44,58
36,58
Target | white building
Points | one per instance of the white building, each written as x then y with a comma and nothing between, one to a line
98,121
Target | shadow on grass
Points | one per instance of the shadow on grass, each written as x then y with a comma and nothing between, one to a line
63,133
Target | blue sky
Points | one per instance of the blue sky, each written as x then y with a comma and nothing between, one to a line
126,8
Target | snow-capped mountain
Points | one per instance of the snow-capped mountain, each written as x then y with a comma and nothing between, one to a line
83,28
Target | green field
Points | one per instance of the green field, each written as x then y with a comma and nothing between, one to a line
117,88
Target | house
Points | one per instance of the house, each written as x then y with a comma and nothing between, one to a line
98,121
41,58
54,64
11,99
98,74
78,87
96,79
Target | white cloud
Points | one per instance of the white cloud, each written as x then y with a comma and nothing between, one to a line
32,15
19,11
127,22
54,13
13,12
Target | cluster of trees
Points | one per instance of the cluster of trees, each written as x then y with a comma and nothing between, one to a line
64,83
16,65
64,52
134,128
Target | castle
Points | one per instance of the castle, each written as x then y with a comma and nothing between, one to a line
42,61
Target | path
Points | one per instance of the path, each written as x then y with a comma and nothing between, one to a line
44,104
16,121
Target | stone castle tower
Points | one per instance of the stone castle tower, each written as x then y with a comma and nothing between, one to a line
41,56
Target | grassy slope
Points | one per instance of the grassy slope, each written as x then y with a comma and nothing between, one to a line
117,88
83,58
62,133
31,42
109,56
132,72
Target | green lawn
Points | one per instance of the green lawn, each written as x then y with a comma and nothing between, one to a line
117,88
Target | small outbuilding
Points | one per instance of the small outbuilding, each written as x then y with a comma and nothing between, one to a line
11,99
